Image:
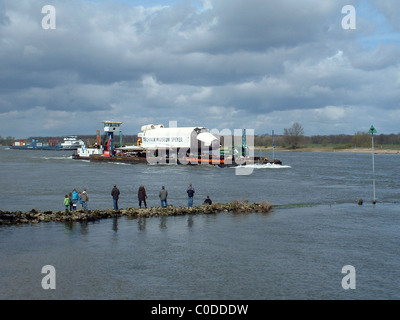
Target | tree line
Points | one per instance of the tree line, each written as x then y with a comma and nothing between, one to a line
294,137
359,140
291,138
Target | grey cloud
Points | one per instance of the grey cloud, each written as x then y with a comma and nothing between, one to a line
4,19
236,59
260,25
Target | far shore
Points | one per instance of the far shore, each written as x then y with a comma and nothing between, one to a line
377,150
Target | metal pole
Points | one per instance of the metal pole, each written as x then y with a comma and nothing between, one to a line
372,131
373,169
243,142
273,146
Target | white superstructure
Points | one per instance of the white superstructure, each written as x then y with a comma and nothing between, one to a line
72,143
85,152
112,126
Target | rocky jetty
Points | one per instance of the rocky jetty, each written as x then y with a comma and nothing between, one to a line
35,216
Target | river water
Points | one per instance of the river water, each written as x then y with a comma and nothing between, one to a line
297,251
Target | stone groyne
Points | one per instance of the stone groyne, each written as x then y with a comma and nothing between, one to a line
35,216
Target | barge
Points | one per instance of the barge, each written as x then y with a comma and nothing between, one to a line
36,145
70,143
157,145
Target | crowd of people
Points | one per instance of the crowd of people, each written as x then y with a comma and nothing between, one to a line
75,198
163,195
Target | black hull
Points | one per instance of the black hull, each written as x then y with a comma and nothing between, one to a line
188,161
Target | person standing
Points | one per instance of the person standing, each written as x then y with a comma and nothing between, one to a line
84,199
208,201
142,196
190,192
66,203
163,197
74,199
115,195
80,199
70,201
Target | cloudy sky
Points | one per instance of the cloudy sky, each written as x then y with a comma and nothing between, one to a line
223,64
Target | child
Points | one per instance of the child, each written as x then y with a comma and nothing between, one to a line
66,203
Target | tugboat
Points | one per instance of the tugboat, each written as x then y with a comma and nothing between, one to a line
84,152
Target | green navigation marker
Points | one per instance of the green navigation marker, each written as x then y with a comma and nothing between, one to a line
372,130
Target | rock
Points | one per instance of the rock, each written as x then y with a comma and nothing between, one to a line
35,216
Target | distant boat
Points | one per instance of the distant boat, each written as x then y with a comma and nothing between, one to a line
72,143
36,145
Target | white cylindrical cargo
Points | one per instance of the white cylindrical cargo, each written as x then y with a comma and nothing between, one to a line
147,127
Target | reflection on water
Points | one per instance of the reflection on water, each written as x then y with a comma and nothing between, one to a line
142,223
163,222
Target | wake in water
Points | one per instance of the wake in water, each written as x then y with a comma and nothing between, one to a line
57,158
264,166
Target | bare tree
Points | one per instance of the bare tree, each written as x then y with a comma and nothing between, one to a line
294,134
361,139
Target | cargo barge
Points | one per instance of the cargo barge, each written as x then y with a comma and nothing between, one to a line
157,145
70,143
36,145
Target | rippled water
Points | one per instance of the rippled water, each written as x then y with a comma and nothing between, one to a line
295,252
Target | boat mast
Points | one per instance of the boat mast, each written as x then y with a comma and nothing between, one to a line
273,146
244,142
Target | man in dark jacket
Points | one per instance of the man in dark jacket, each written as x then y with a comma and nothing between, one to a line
208,200
190,192
142,196
115,194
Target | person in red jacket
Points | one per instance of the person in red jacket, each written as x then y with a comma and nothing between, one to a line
142,196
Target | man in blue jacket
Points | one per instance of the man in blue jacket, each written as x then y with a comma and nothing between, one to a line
74,198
